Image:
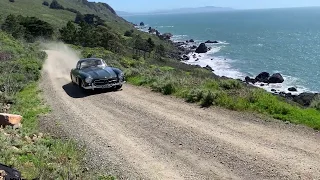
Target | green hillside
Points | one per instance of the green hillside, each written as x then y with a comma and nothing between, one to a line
59,18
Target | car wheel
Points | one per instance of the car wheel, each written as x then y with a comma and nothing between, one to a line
81,85
72,82
118,87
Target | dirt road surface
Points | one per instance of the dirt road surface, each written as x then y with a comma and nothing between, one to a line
139,134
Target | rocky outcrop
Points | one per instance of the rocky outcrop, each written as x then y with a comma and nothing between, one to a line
9,119
177,44
209,68
202,48
191,40
292,89
142,24
193,47
185,57
152,30
263,77
166,36
209,41
250,80
305,99
276,78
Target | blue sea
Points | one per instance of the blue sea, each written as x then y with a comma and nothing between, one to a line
252,41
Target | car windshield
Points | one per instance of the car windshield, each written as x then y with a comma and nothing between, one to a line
92,63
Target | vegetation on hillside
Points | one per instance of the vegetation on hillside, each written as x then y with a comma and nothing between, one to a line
34,154
28,28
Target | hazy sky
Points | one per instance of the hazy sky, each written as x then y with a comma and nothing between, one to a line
150,5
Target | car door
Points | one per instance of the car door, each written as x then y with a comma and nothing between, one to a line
75,73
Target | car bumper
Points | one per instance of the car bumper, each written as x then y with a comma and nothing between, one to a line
107,86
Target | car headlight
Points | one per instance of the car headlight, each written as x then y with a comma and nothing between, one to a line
88,80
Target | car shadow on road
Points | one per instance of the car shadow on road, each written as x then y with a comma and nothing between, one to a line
75,92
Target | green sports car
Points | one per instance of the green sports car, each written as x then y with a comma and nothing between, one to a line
94,73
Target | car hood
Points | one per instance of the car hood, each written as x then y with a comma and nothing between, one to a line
100,73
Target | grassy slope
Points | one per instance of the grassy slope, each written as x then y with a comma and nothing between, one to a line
59,18
34,154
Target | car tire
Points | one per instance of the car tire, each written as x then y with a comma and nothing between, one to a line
83,89
118,87
72,82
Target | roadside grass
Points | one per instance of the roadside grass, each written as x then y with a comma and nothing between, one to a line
197,85
36,155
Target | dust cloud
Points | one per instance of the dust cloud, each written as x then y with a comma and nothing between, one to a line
61,58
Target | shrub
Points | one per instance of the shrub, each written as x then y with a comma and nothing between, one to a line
230,84
211,84
207,99
45,3
195,95
27,27
55,5
128,33
165,88
316,103
12,26
72,10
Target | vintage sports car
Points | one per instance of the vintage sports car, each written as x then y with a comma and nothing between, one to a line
94,73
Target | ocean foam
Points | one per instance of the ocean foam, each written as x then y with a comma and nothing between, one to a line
164,26
179,38
289,82
223,66
220,65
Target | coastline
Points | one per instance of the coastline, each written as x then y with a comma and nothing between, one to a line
186,54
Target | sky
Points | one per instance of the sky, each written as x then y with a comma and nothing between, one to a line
152,5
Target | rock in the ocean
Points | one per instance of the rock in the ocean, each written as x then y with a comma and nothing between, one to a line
166,36
185,57
193,47
273,90
191,40
276,78
142,24
209,41
292,89
263,77
202,48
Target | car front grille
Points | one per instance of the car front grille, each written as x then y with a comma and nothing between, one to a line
101,82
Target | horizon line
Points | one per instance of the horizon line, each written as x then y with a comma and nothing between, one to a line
231,8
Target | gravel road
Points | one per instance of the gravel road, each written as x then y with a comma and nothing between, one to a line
139,134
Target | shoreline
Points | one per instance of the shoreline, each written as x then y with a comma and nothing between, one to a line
186,54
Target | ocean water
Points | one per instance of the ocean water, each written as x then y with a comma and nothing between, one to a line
252,41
